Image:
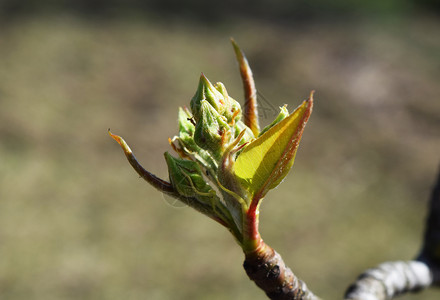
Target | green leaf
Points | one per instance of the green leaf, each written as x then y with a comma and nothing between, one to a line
186,177
212,132
186,125
265,162
284,113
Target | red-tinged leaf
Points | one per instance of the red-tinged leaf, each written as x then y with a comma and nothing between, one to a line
161,185
250,92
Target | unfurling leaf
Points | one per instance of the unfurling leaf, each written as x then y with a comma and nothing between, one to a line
186,177
284,113
266,161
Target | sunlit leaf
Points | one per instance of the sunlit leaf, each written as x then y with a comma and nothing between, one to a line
266,161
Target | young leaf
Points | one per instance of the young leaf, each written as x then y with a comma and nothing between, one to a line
284,113
161,185
266,161
250,92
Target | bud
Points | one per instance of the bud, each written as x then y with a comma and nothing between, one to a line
212,132
232,107
218,97
226,166
207,92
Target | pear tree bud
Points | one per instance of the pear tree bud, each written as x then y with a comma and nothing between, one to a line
212,131
185,145
232,110
206,92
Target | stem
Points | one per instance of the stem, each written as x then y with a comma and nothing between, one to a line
266,268
264,265
251,236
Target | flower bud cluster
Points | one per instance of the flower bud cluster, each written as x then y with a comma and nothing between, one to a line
210,134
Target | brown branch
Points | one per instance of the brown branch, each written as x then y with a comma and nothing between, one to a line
267,269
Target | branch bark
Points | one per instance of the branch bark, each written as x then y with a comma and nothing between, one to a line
391,279
267,269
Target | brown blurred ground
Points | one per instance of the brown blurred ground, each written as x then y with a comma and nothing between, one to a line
77,223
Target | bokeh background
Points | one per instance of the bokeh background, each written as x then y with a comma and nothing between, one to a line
76,222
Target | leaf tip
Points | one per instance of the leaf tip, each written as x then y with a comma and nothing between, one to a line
312,92
238,53
309,104
121,142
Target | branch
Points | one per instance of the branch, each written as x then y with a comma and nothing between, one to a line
267,269
391,279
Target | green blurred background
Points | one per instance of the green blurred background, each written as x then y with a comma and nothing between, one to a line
76,222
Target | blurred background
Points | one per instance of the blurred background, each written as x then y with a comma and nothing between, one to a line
76,222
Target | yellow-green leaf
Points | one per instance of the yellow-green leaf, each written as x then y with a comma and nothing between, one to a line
266,161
